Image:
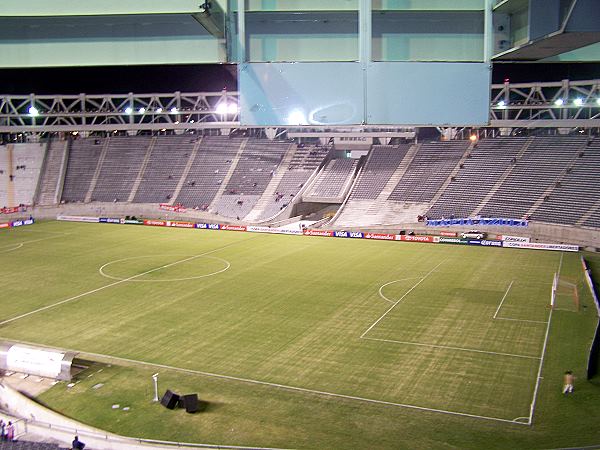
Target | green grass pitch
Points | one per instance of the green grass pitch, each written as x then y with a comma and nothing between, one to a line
305,342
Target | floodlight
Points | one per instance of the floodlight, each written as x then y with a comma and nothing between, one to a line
128,110
142,110
33,111
559,102
174,110
501,103
578,101
222,108
473,137
297,117
159,110
232,108
598,101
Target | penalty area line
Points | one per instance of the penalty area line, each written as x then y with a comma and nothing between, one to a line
282,386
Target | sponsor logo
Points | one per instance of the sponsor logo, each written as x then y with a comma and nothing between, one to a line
28,222
214,226
448,240
416,238
155,223
180,224
447,233
327,233
17,223
342,234
233,227
4,225
108,220
132,222
254,229
514,238
489,243
356,234
540,246
380,236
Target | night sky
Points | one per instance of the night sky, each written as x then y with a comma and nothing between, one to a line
214,77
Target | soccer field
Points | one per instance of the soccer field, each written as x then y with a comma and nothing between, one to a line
443,333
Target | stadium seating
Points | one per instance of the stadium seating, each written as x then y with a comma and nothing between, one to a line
382,162
120,168
168,158
332,181
84,155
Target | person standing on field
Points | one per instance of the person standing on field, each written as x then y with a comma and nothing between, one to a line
569,378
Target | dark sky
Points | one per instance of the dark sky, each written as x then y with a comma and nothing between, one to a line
214,77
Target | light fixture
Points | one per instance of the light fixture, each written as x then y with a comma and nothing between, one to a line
159,110
33,111
501,103
598,101
297,117
142,110
128,110
559,102
174,110
473,137
578,101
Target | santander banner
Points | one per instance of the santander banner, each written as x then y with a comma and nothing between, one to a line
380,236
326,233
176,224
233,227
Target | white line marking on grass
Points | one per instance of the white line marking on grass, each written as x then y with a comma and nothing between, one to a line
539,374
12,248
448,347
101,270
423,278
116,283
503,298
279,386
391,282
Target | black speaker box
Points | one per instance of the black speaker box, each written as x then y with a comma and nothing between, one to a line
189,402
170,399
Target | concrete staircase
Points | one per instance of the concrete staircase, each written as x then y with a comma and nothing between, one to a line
88,196
186,171
267,196
227,177
138,180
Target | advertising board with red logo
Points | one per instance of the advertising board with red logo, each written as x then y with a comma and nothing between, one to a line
155,223
176,224
410,238
233,227
4,225
325,233
448,233
380,236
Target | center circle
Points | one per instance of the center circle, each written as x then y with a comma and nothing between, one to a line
137,277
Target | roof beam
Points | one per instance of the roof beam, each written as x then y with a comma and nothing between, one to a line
45,8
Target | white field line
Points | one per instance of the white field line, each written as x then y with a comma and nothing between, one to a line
391,282
448,347
539,374
503,298
116,283
507,318
423,278
12,248
279,386
31,242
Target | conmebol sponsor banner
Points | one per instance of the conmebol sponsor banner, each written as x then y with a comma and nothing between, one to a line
79,219
539,246
254,229
177,224
208,226
233,227
450,240
327,233
155,223
380,236
514,238
4,225
132,222
410,238
448,233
